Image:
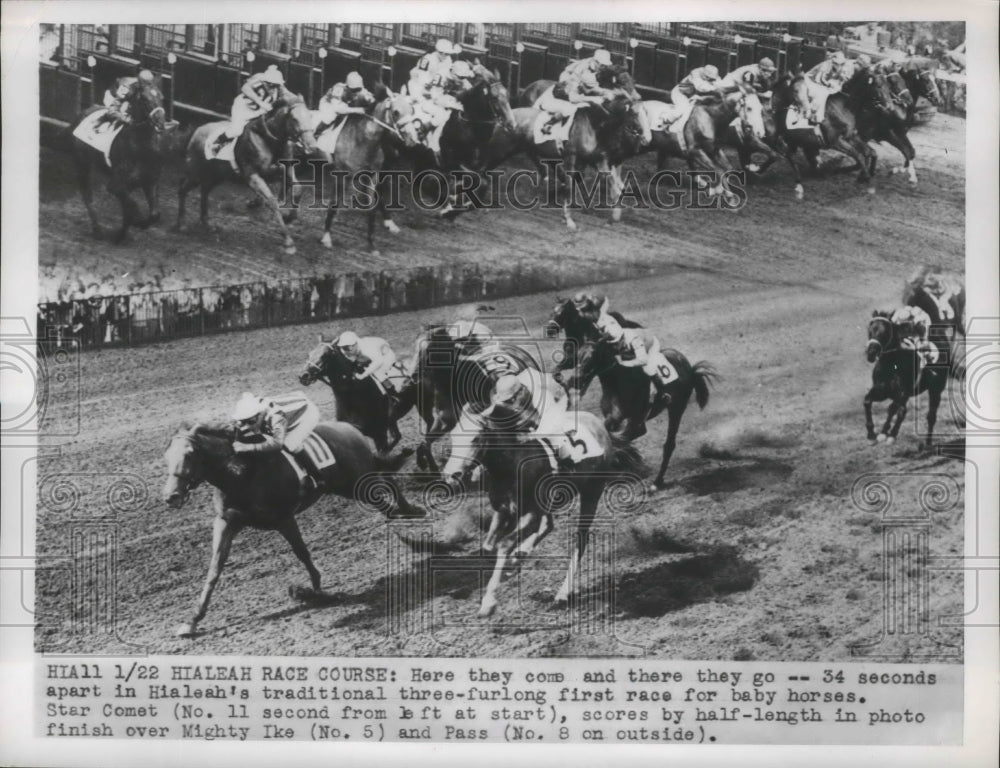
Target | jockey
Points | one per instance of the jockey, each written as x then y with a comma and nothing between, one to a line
116,101
270,424
759,76
942,289
257,97
822,80
529,402
863,63
430,65
913,326
577,85
637,347
469,331
373,357
702,81
458,79
347,98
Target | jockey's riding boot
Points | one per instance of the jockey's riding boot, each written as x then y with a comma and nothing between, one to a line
320,128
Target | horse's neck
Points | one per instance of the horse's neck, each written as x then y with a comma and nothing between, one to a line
216,456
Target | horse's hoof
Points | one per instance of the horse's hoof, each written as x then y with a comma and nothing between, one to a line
616,215
185,630
890,440
289,250
571,225
298,592
374,253
391,226
485,611
880,438
870,190
753,168
799,192
326,241
561,600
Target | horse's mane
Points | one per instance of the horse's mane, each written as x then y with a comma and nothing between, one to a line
881,313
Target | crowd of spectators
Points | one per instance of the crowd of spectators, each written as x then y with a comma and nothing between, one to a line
97,314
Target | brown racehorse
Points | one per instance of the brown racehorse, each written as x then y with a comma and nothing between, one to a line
521,479
136,158
600,136
265,140
361,148
262,490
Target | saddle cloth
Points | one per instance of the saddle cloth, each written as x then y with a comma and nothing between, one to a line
818,95
667,117
573,441
327,140
546,130
99,137
314,451
660,365
226,152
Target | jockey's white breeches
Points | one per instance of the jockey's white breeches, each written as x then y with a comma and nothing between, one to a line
307,423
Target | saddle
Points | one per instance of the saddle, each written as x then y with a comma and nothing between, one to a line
96,131
218,146
309,462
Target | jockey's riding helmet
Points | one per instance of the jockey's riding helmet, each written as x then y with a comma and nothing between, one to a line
863,60
145,76
462,69
839,58
603,57
766,64
347,339
444,47
247,407
273,75
354,81
510,391
711,72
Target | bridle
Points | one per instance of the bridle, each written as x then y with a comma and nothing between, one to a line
888,346
188,481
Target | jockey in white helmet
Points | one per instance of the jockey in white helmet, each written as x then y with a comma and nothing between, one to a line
701,81
825,78
373,357
529,402
347,98
913,327
266,424
638,348
258,96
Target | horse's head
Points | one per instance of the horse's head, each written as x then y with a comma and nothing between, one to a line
928,87
298,122
186,456
396,111
750,111
617,78
882,97
321,363
146,101
880,335
496,94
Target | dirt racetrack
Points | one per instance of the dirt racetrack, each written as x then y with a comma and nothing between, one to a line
757,551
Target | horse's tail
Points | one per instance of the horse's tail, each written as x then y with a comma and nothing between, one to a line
705,375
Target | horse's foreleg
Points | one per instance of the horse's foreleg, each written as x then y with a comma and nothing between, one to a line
869,421
331,215
292,192
934,400
860,152
223,533
83,171
567,185
258,185
383,209
188,182
118,187
588,510
900,415
151,189
489,601
290,530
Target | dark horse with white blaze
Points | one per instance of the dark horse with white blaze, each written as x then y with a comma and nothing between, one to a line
264,141
895,378
885,120
136,156
263,491
525,488
601,136
363,146
625,392
839,129
361,403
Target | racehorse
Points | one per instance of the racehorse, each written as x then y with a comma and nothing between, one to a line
136,156
707,129
265,140
361,403
525,487
918,73
449,376
838,130
360,154
577,318
895,377
625,395
263,491
886,120
601,136
485,109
